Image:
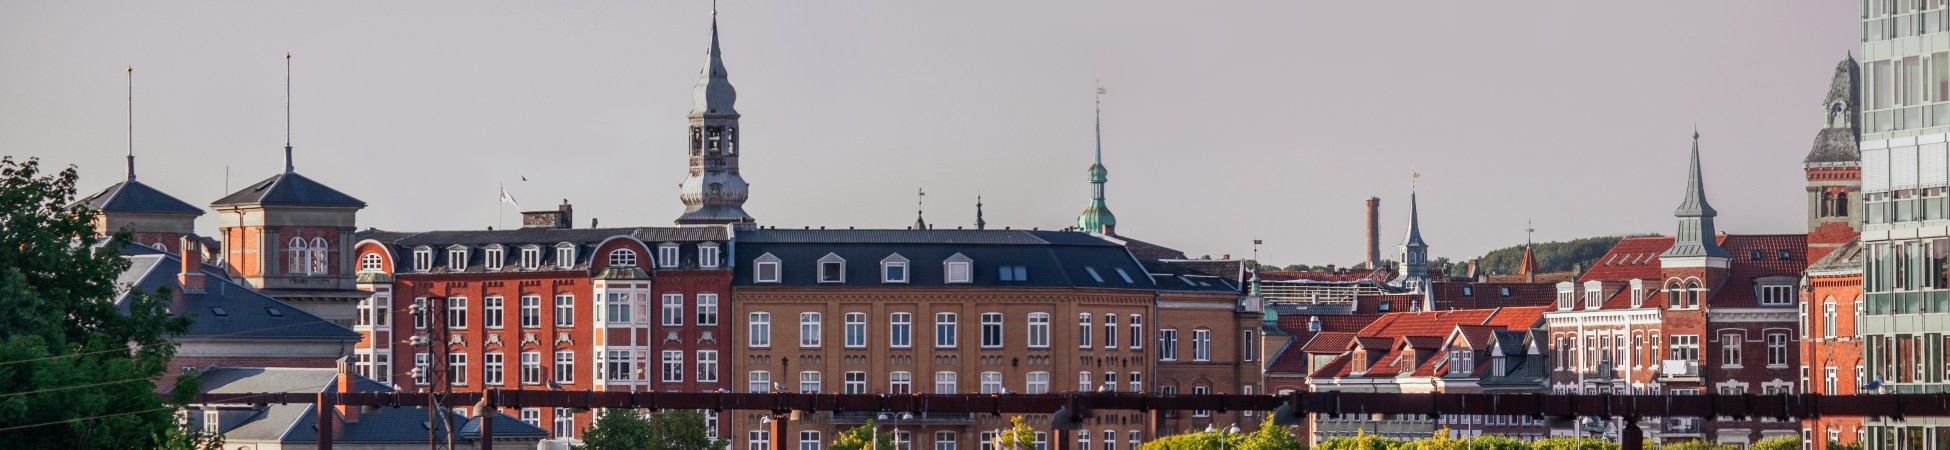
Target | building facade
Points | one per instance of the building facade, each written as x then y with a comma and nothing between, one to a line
1831,350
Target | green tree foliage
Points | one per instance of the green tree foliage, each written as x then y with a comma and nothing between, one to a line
1203,440
1019,436
864,437
1551,256
1272,437
682,429
76,370
1362,441
1573,443
618,429
1702,445
1833,445
1777,443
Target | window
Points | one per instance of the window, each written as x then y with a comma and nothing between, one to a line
944,330
809,382
494,257
1083,330
1201,345
1110,440
1779,295
1201,391
1168,344
622,257
1083,381
760,329
758,440
944,382
1093,274
903,440
1137,333
457,312
420,361
707,310
1754,254
565,310
532,416
1683,347
958,269
616,365
1036,383
856,330
531,368
619,307
457,258
855,383
758,382
991,382
1777,349
1137,382
673,366
707,366
1135,435
1013,273
710,423
1110,331
667,255
1246,351
1730,350
1830,382
707,255
420,320
565,367
457,369
422,258
1038,330
673,310
319,255
765,269
900,383
832,269
944,440
1110,382
493,313
1083,439
491,368
900,330
565,423
1828,319
565,255
370,262
991,330
809,329
809,440
531,311
893,269
531,257
1675,296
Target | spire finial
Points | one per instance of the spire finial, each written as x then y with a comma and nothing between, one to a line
1100,120
131,123
919,195
287,112
1528,230
979,223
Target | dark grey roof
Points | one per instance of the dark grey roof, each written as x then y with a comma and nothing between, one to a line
1048,258
290,189
1199,283
1847,258
248,315
135,197
1230,269
247,380
402,244
298,423
1836,145
405,424
1840,145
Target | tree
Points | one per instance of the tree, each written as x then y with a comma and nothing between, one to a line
619,429
1272,437
1786,442
1834,445
1573,443
682,429
863,437
1361,441
77,370
1019,436
1700,445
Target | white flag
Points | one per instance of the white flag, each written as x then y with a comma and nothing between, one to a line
509,199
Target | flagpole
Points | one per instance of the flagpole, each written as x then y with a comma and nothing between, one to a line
500,212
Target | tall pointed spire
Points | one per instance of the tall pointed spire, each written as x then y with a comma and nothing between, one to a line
979,223
1097,218
1414,224
713,192
713,93
1414,273
131,123
1696,236
287,113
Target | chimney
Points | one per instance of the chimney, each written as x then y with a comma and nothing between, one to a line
1110,229
1374,232
593,223
349,413
561,218
190,278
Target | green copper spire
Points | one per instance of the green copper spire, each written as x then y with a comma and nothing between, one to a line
1097,217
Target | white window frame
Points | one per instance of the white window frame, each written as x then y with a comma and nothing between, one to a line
1776,295
811,382
900,330
494,257
945,382
958,269
1168,344
991,382
1084,381
856,330
531,257
456,258
708,255
673,310
457,313
1777,350
1084,329
894,269
1039,330
622,257
854,382
531,311
765,269
707,366
457,369
1201,344
565,310
531,368
830,269
1730,356
1036,383
947,328
1137,333
758,382
991,330
1110,331
811,329
667,255
673,366
759,329
707,310
371,262
494,312
422,259
565,256
565,423
565,367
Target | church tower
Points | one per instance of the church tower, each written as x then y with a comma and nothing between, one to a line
1414,268
1097,217
713,193
1834,166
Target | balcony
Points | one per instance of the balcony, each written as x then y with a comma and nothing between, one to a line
1682,426
1679,370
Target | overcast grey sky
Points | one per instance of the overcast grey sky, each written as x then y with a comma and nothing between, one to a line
1226,122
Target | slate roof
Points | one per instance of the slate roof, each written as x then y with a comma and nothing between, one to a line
135,197
297,423
1197,275
247,380
1049,258
585,240
289,189
1754,256
403,425
1149,251
1845,259
247,314
1449,295
1839,145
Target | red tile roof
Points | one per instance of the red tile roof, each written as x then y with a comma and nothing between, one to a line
1475,337
1389,335
1639,258
1344,275
1328,342
1635,257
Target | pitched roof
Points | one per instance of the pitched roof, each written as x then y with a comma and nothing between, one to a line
1328,342
289,189
297,423
226,310
135,197
1632,257
1047,258
1149,251
1845,259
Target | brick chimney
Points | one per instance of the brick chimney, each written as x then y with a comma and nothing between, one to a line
190,278
349,413
1374,233
562,217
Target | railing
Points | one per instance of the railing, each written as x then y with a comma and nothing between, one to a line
926,418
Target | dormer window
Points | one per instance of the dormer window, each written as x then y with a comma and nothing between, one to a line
370,262
622,257
457,258
832,269
1013,273
1313,323
1594,294
707,255
1776,291
495,257
1566,296
667,255
893,269
422,259
958,269
531,257
565,255
1638,292
765,269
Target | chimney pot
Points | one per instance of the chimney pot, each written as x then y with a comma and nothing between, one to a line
190,278
346,380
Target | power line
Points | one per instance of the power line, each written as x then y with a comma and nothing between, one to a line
103,416
3,363
10,394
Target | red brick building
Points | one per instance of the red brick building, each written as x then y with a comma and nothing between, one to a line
1831,349
1463,350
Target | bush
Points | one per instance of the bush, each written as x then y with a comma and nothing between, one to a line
1573,443
1362,441
1832,445
1777,443
1701,445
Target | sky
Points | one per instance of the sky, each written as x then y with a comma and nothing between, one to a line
1224,122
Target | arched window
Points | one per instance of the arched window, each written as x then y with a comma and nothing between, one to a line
296,253
622,257
1675,297
1827,206
369,262
319,261
1841,204
1692,294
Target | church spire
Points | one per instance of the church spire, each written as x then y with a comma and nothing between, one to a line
979,223
713,192
919,222
1414,273
1696,237
1097,217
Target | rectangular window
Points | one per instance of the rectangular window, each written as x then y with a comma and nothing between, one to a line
1198,391
420,361
944,440
616,365
493,311
673,310
1168,344
1683,347
565,256
856,330
1110,382
809,330
1730,350
491,368
991,382
991,330
707,310
944,330
1036,383
531,368
565,310
532,416
710,423
765,272
707,255
944,382
456,259
1137,333
809,440
1777,295
1777,349
1110,440
758,382
957,272
1038,330
565,423
457,313
1083,381
619,307
893,272
758,440
1013,273
531,258
565,367
1828,320
1246,351
760,329
494,258
1110,331
1201,345
457,369
531,311
1083,330
900,383
707,366
855,383
832,272
1137,381
673,366
900,330
667,255
809,382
